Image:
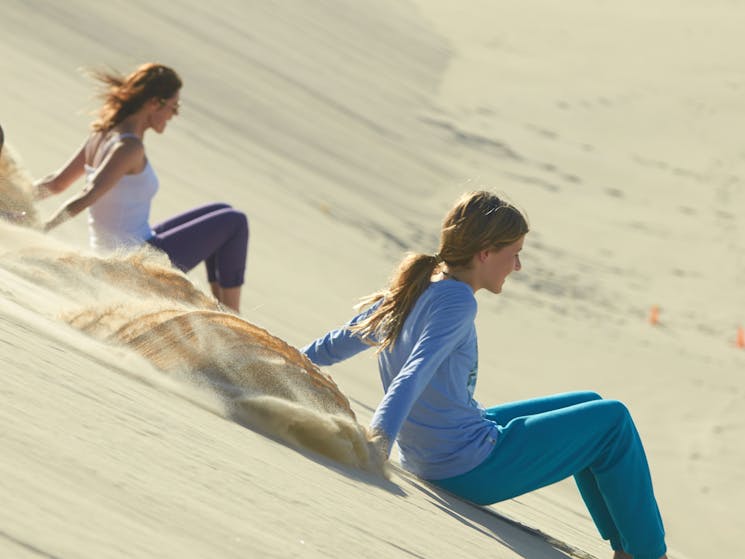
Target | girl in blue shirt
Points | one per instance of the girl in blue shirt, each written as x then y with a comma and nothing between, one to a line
423,327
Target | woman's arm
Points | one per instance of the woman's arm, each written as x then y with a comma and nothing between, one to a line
62,178
125,157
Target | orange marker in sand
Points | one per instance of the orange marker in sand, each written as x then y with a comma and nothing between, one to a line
654,315
740,342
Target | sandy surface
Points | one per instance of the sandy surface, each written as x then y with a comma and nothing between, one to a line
345,131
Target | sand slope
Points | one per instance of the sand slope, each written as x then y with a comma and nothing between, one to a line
345,130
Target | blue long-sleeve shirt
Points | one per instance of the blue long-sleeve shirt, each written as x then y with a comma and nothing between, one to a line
429,377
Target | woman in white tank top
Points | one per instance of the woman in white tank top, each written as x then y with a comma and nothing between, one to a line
120,184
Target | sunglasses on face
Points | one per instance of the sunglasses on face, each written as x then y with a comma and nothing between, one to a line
174,108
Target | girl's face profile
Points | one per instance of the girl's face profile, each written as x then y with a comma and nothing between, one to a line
498,264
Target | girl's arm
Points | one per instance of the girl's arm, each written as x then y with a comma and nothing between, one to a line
125,157
446,328
339,344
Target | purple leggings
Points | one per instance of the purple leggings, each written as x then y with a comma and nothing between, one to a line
216,234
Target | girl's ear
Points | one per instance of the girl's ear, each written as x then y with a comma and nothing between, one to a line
482,255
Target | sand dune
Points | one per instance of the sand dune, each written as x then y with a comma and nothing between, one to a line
139,301
345,130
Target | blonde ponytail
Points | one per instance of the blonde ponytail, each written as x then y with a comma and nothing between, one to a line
477,221
409,281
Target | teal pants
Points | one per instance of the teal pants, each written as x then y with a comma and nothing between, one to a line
578,434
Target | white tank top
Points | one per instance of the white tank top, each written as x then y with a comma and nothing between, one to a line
121,217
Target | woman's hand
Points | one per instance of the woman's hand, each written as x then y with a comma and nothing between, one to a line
48,225
43,188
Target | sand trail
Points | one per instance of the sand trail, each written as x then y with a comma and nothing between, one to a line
16,198
137,300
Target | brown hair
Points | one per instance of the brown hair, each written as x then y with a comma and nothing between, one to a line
125,95
479,220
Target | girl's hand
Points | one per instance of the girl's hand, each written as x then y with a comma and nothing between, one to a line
379,447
